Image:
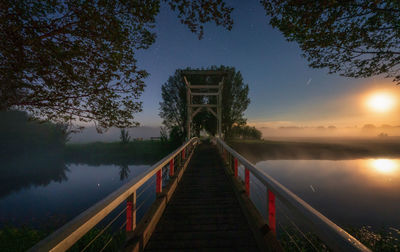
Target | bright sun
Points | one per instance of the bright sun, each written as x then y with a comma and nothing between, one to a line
381,102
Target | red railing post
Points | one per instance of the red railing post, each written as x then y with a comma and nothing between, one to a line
183,154
159,181
247,181
271,211
236,167
131,212
171,167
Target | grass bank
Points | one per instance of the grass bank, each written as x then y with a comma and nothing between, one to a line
135,152
21,239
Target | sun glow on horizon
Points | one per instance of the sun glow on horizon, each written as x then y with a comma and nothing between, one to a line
381,102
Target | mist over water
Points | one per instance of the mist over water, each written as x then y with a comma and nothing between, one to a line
90,134
367,130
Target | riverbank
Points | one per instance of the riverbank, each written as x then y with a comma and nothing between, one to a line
317,148
135,152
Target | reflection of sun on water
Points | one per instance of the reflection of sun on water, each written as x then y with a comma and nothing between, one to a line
386,166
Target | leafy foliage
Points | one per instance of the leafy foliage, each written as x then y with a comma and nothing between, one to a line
355,38
75,60
14,239
173,108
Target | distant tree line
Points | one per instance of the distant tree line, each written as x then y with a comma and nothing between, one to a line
21,134
245,132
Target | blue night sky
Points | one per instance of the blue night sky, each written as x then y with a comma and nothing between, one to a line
283,89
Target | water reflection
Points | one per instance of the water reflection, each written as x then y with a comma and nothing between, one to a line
48,194
385,166
20,173
124,171
349,192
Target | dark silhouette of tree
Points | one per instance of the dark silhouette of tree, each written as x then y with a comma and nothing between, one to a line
125,138
20,134
245,132
75,60
24,171
354,38
173,108
124,171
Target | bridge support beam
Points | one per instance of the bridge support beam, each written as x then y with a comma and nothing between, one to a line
247,181
159,181
171,168
271,210
206,90
131,212
236,167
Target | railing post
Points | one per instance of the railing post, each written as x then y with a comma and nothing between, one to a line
271,210
159,181
247,181
183,154
236,167
224,155
131,212
171,167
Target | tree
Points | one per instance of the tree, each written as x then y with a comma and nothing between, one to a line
354,38
246,132
21,134
75,60
125,138
173,108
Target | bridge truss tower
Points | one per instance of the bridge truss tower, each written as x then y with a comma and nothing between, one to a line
211,86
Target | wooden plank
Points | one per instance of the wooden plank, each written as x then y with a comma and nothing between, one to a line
203,105
203,72
204,86
203,213
204,94
138,239
212,112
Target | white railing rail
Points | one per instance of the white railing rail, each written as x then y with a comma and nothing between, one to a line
332,235
66,236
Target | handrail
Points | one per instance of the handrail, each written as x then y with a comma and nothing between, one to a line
335,237
67,235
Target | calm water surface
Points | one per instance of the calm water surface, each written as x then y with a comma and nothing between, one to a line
53,198
349,192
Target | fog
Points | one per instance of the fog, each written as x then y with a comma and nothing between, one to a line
367,130
90,134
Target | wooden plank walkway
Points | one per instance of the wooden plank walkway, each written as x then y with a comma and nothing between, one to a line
204,213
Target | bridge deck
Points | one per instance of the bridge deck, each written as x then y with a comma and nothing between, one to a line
204,213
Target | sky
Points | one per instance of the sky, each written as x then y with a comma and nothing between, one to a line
284,91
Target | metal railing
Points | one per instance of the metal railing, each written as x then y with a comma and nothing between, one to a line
332,235
66,236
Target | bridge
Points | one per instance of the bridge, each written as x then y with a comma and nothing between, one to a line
200,199
202,203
